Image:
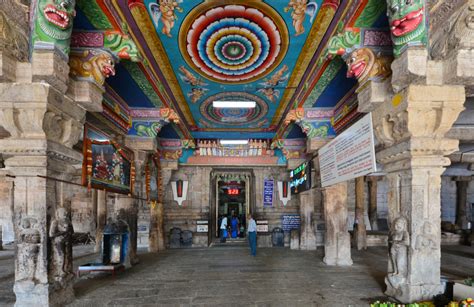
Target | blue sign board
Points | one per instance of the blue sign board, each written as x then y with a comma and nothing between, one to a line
268,192
290,221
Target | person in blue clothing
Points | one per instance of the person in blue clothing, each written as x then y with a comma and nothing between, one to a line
234,226
252,234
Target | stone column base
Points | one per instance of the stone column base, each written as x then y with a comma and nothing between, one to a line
406,293
30,294
339,254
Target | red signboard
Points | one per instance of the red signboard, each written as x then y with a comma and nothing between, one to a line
233,191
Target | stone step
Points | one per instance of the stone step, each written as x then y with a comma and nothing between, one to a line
240,242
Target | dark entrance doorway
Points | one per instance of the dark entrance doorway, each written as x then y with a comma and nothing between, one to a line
230,198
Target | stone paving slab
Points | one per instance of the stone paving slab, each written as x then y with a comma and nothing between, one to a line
230,277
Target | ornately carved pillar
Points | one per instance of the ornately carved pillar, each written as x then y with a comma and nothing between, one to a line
43,124
337,243
412,127
411,115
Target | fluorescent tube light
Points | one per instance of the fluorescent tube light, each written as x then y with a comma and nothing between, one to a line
233,104
234,142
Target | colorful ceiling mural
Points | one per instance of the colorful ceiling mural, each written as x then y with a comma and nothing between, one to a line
192,53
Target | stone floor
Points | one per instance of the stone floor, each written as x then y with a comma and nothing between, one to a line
226,276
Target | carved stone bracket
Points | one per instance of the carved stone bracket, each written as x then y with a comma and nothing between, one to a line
122,46
314,122
148,122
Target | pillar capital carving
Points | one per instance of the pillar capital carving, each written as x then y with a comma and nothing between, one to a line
32,111
419,117
141,143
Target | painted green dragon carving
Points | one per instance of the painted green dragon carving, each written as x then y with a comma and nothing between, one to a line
407,21
122,46
53,24
147,129
312,132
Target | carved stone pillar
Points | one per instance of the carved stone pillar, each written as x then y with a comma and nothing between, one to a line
307,235
463,219
360,233
411,125
43,124
157,231
157,224
372,185
101,201
337,244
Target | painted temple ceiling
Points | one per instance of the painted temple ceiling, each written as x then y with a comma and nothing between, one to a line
191,53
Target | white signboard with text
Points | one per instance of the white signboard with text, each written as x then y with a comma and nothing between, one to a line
350,155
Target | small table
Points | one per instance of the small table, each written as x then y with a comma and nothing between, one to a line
99,267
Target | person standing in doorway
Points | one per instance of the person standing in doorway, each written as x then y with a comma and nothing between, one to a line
224,229
252,233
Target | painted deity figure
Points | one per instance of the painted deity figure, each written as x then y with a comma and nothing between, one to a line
60,233
300,8
407,24
168,16
53,24
28,248
101,167
117,168
278,76
270,93
188,77
363,65
196,93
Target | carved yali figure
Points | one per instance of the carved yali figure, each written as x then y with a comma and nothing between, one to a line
28,248
53,23
60,232
364,65
399,242
94,65
407,24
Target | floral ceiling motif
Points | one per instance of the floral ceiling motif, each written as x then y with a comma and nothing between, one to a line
233,43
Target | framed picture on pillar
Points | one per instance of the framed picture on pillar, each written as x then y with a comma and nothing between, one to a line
107,165
151,177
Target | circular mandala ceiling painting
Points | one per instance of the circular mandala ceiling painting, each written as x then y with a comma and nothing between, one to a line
233,43
234,116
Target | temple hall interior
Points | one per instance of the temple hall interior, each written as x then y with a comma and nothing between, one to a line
237,153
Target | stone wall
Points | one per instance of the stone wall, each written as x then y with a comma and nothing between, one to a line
198,203
82,214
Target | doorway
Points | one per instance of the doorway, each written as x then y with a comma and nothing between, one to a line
230,198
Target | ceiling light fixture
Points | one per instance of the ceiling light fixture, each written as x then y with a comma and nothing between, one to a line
233,104
234,142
